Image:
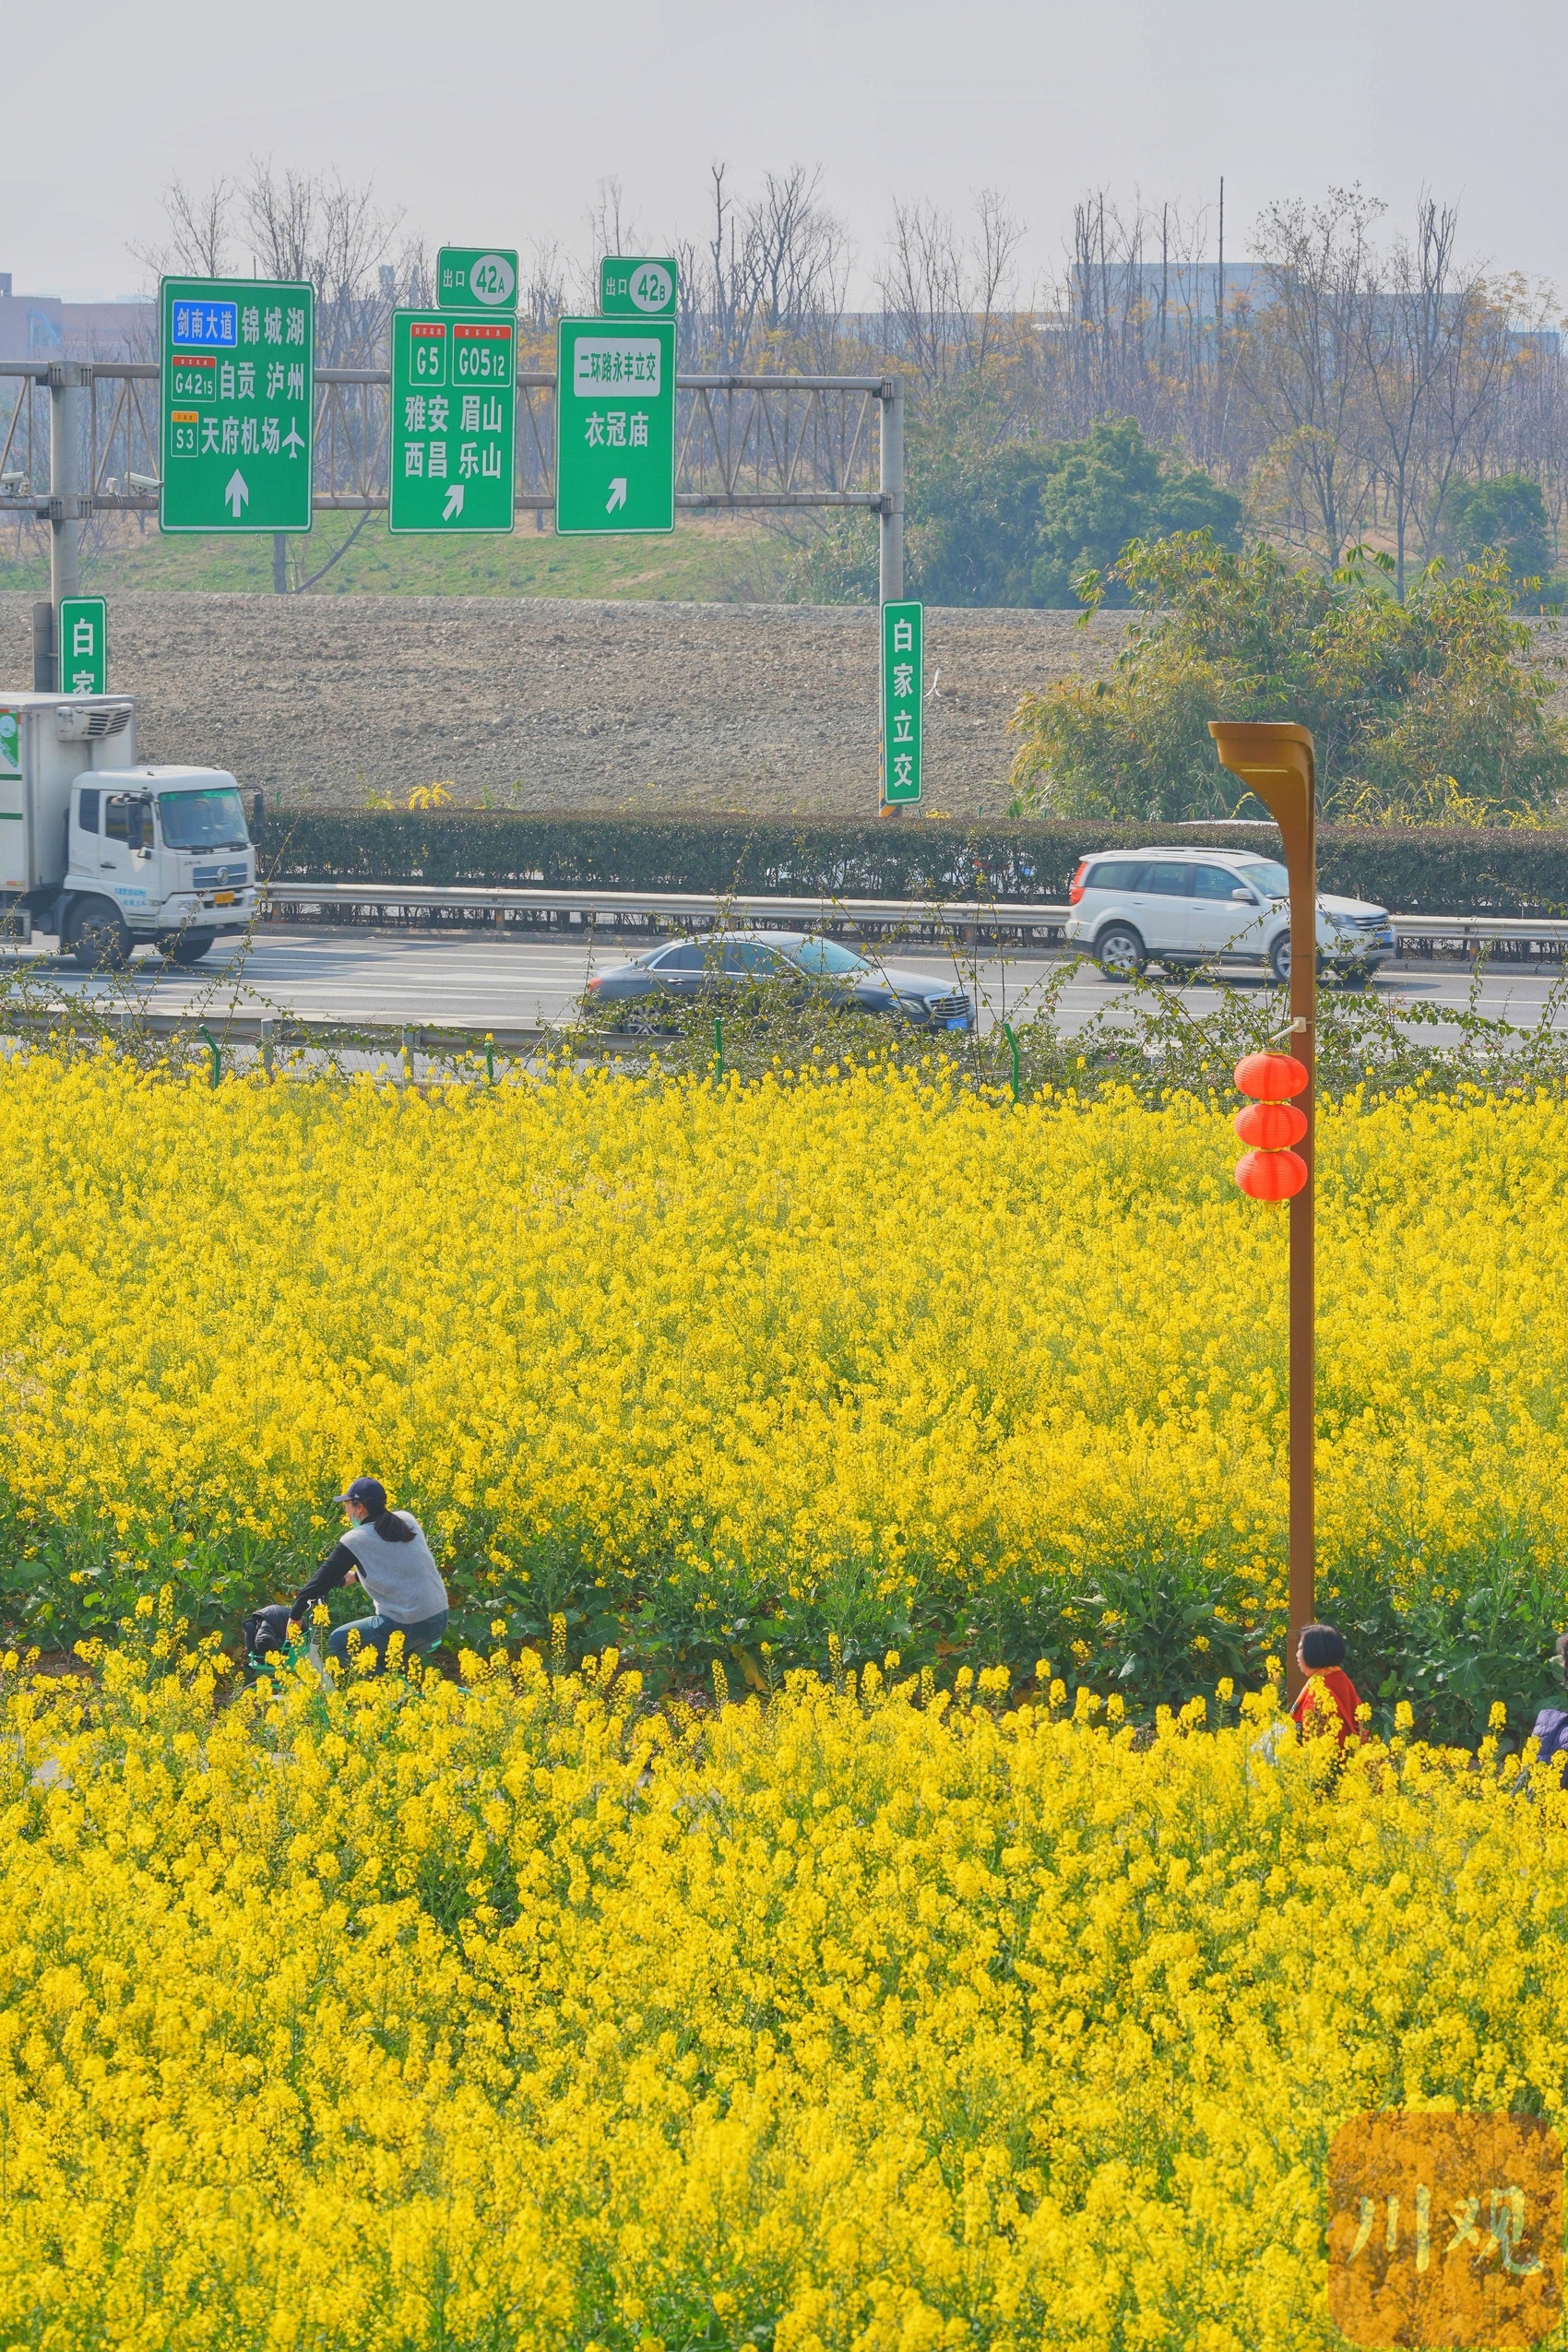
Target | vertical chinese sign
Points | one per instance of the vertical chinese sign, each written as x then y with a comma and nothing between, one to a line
1445,2229
238,404
84,645
453,437
614,426
903,663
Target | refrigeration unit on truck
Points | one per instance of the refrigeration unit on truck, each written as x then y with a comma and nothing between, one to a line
105,854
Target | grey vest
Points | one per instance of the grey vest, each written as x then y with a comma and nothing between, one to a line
402,1579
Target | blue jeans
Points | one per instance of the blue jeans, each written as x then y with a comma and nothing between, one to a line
375,1633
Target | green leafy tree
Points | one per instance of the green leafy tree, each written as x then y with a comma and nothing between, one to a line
1014,522
1508,512
974,520
1425,708
1109,490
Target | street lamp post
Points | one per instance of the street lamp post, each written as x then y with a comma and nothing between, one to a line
1276,761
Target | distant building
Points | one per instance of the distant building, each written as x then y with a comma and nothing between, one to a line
38,326
1189,290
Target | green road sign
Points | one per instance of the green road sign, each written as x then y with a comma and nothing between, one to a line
238,401
903,660
614,426
84,645
454,422
476,277
635,286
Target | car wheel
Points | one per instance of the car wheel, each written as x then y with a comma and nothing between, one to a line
643,1017
1280,959
1120,952
99,941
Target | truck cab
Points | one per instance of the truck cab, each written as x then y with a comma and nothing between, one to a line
106,853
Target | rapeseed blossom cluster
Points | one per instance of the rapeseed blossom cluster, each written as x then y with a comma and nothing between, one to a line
717,1369
521,2014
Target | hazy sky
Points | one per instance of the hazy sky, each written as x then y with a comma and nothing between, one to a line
493,121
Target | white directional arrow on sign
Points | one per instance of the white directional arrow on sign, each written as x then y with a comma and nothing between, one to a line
454,502
617,495
236,493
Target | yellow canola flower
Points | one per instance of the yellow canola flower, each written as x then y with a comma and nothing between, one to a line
729,1350
411,2016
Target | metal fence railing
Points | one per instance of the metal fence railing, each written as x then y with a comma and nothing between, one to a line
756,441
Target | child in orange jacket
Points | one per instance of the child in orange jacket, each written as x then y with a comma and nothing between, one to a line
1327,1694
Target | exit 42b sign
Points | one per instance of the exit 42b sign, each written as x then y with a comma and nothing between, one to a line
454,422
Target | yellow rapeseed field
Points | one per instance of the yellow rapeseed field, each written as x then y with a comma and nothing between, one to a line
857,1352
877,2020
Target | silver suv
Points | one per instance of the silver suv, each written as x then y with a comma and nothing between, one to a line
1183,908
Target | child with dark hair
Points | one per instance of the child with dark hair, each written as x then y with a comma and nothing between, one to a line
1328,1696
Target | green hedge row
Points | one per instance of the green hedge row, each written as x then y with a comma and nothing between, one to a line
1412,870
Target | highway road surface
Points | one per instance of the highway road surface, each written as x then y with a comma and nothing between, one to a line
471,981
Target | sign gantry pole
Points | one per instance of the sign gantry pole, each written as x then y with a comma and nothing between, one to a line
1276,760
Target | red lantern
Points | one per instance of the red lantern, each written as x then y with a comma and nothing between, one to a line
1273,1075
1271,1175
1271,1125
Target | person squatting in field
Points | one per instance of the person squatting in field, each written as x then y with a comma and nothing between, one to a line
1328,1693
387,1551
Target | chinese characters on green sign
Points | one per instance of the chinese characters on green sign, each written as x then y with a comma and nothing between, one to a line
453,437
84,645
238,395
614,426
903,658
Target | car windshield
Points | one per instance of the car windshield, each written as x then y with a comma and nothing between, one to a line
210,820
1267,875
825,956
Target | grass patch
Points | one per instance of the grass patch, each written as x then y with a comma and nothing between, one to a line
710,559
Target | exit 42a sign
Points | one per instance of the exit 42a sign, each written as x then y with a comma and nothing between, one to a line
238,404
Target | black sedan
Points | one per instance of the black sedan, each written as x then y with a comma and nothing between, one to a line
635,994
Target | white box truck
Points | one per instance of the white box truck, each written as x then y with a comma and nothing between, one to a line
105,854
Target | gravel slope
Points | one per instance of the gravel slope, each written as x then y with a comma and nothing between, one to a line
549,704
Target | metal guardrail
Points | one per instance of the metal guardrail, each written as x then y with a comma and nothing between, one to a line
658,906
316,1032
820,910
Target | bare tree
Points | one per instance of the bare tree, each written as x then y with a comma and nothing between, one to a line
199,229
1431,354
944,294
542,292
1303,358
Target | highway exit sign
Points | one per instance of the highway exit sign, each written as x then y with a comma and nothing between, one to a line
903,663
84,645
476,277
238,404
637,286
453,437
614,426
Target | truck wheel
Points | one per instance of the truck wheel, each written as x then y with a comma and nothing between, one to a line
98,941
187,947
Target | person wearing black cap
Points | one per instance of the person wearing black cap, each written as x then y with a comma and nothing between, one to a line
1328,1694
387,1551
